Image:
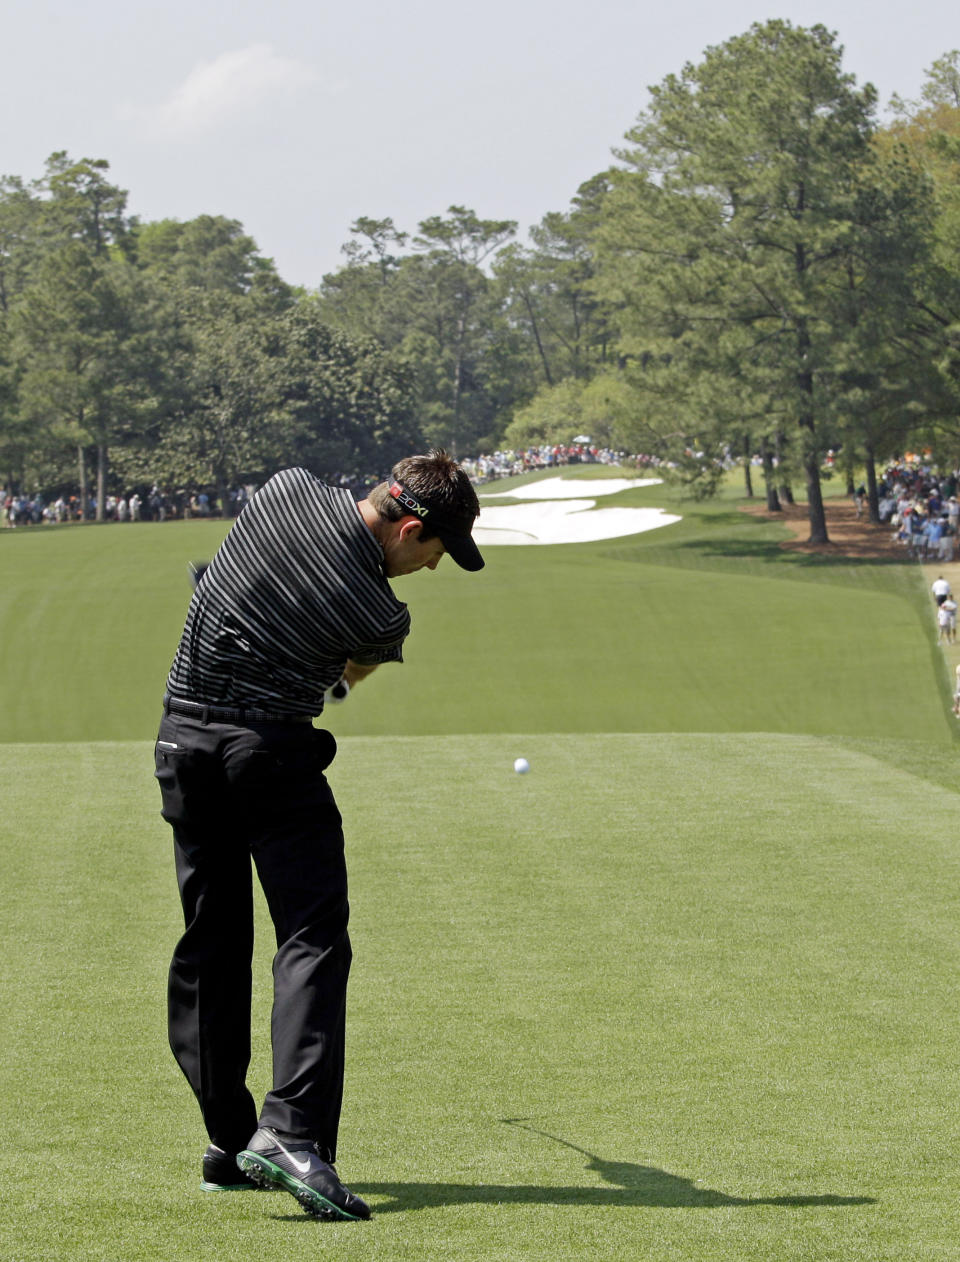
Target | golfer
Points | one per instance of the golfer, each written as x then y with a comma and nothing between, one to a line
296,601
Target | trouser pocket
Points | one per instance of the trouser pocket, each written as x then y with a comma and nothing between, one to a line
191,782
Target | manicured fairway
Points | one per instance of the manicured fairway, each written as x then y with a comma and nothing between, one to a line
686,991
701,626
687,997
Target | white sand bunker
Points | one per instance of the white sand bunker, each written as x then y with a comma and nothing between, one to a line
571,488
566,521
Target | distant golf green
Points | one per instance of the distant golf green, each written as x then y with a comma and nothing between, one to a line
687,990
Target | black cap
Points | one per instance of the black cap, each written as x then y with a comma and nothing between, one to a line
452,531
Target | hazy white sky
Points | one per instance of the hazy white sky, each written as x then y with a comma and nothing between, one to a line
296,117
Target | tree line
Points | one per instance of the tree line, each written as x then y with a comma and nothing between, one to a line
765,269
134,353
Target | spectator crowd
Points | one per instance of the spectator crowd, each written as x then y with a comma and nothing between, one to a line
922,508
920,505
156,504
505,464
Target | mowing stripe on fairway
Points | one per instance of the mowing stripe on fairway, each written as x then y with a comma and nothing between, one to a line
685,996
705,626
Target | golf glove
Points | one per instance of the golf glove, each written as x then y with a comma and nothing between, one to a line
339,692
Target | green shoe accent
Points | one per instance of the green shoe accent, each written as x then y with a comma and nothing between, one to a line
228,1187
267,1175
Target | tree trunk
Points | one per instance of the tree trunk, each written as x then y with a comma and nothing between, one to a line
785,489
458,373
747,479
815,509
872,497
102,463
223,494
848,467
536,336
811,458
769,478
84,485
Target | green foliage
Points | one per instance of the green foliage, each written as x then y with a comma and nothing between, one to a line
224,425
348,402
82,206
260,389
927,137
172,349
762,272
744,218
547,291
86,349
439,311
20,211
207,253
606,407
554,416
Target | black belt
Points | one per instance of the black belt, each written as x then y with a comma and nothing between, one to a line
220,714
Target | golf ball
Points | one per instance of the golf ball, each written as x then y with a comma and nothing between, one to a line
521,766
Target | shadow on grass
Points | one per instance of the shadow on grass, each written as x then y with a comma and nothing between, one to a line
751,550
628,1184
767,550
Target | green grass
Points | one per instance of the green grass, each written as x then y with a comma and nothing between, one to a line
702,626
687,996
686,991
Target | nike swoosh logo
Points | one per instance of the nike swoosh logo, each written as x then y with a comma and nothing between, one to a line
300,1167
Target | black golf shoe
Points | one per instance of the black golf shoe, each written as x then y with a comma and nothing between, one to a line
296,1166
220,1173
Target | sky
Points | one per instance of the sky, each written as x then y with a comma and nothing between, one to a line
298,117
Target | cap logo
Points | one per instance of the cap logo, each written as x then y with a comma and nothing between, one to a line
453,532
403,496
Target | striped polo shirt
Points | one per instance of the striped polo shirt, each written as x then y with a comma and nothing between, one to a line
296,588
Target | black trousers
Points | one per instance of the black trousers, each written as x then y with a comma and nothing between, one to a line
230,794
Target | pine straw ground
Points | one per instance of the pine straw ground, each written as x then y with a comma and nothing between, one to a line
850,536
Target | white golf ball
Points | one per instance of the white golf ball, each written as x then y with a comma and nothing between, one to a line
521,766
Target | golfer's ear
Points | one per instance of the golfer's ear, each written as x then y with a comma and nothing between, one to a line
409,526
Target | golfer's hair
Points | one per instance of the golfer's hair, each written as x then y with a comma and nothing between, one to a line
437,479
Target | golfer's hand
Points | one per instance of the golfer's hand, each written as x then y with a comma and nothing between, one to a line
339,692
